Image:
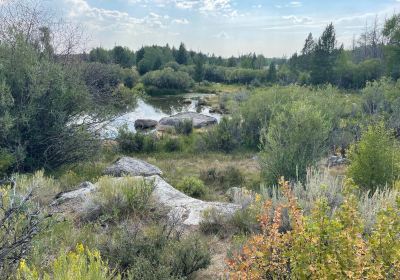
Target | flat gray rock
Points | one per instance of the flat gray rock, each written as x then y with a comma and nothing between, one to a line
187,210
199,120
127,166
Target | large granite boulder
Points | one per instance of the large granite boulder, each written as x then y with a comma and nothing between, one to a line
186,210
132,167
198,120
73,201
145,124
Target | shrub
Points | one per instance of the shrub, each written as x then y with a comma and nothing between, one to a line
7,160
223,178
193,187
20,221
320,246
155,252
184,127
214,223
296,140
375,160
226,136
122,196
79,264
168,79
172,145
187,256
130,142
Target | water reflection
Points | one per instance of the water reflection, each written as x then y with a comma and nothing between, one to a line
156,108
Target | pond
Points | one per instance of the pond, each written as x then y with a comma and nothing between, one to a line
156,108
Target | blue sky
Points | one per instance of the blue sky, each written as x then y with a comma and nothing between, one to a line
224,27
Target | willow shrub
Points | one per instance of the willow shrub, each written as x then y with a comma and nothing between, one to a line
375,160
322,245
296,139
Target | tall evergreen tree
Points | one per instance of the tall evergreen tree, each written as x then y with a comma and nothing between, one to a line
272,73
181,56
324,57
309,45
199,68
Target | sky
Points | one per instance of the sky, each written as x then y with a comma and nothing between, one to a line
275,28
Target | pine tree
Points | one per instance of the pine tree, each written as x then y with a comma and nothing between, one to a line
181,56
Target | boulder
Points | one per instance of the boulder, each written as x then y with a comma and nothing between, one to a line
132,167
186,210
73,201
145,124
187,101
199,120
336,161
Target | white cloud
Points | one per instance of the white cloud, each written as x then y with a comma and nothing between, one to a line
180,21
298,19
222,35
294,4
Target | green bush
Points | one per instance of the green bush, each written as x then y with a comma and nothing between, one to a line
375,160
184,127
225,137
7,160
223,178
296,140
122,196
155,252
193,187
172,145
168,79
187,256
130,142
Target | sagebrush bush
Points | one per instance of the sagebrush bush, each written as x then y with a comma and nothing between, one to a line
187,256
375,160
155,252
122,196
193,187
82,263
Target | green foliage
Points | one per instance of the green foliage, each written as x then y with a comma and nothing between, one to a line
375,160
172,144
130,142
155,252
184,127
168,79
81,263
225,137
193,187
7,160
20,221
223,178
36,137
187,256
296,140
123,196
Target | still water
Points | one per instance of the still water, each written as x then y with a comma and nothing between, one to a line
156,108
